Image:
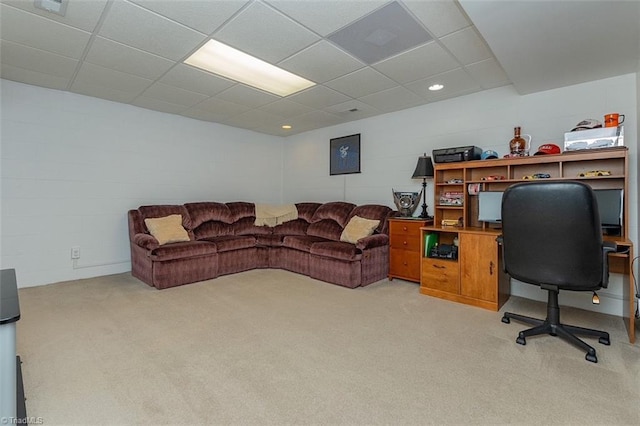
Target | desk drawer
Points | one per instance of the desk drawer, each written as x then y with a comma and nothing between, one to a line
404,264
443,275
405,227
405,242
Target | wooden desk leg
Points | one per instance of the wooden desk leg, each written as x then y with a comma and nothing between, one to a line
631,328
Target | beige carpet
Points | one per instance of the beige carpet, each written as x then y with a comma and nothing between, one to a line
273,347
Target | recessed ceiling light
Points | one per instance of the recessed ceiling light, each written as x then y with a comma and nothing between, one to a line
226,61
286,126
436,87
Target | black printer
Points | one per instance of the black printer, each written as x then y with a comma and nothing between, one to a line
452,155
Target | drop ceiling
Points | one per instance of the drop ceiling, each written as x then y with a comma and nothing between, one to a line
133,51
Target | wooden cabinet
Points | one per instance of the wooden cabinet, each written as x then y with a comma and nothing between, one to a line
475,278
404,248
481,276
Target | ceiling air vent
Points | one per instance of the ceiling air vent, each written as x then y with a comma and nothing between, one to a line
58,7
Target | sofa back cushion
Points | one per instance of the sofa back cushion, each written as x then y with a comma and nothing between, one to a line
163,210
208,211
330,219
373,212
241,209
306,210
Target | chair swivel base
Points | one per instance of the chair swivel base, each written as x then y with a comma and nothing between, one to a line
552,326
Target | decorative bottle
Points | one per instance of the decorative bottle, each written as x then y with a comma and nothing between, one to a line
518,144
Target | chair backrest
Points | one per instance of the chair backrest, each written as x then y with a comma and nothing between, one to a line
551,234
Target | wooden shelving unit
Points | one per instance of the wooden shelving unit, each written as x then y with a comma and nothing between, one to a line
476,277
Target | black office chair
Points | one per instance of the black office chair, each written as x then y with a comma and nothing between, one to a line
551,237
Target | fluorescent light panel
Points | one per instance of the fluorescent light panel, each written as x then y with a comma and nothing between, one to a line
226,61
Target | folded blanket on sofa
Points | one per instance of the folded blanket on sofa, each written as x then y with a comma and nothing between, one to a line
272,215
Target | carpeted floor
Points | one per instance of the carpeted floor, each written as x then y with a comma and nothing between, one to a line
273,347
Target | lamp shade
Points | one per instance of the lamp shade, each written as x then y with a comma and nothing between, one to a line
424,168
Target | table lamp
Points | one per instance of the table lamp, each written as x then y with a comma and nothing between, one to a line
424,170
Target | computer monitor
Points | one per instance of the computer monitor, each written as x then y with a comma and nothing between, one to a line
490,206
610,207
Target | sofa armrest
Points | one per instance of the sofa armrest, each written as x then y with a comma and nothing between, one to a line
372,241
146,241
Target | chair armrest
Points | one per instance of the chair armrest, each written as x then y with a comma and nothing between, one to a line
146,241
372,241
607,247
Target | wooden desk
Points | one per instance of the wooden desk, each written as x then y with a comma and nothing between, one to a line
622,263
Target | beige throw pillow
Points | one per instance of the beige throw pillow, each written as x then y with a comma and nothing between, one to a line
358,227
167,229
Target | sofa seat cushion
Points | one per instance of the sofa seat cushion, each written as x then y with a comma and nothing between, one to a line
246,226
233,242
182,250
292,227
337,250
302,243
269,240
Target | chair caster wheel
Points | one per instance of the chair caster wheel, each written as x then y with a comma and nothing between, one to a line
506,320
591,358
604,341
521,340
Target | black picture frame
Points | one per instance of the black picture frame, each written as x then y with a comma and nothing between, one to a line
344,155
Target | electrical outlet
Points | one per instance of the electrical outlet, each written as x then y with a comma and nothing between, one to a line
75,252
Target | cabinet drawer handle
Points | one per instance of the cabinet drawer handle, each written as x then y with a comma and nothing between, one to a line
404,228
404,243
405,263
439,266
491,268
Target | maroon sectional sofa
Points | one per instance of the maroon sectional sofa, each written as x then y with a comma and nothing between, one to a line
224,240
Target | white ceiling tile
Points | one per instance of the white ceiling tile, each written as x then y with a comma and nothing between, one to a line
95,75
32,30
117,56
265,33
132,25
82,14
192,79
201,15
35,78
326,16
313,119
318,97
454,82
321,62
36,60
286,108
346,111
158,105
221,107
488,74
244,95
421,62
254,118
115,95
174,95
200,114
393,99
467,46
362,82
440,17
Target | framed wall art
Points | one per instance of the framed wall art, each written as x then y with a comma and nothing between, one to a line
344,155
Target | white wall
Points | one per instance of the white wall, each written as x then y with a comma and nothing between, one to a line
73,165
392,143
